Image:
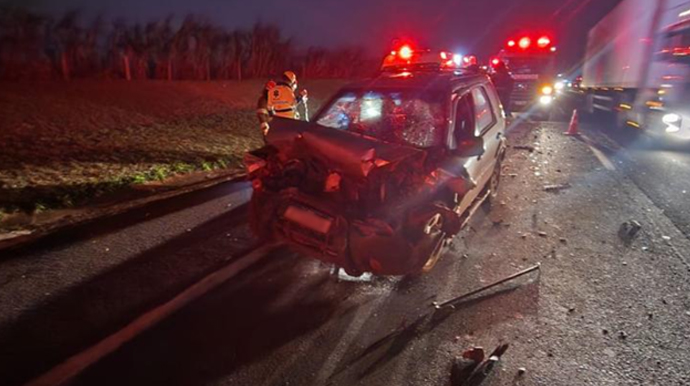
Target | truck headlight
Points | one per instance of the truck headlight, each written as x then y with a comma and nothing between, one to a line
547,90
559,86
671,119
545,99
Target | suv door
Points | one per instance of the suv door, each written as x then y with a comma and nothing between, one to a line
490,126
464,126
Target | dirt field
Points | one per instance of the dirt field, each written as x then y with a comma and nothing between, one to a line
64,143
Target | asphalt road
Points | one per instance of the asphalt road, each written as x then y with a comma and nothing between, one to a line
68,291
601,312
661,171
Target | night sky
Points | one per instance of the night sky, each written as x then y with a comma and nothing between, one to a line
465,26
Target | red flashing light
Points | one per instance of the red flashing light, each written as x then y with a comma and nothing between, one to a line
511,43
405,52
525,43
543,42
444,55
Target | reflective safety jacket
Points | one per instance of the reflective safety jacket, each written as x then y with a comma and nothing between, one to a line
282,101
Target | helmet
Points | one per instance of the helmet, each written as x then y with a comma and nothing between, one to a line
290,77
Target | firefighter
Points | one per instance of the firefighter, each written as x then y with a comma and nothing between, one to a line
281,100
504,82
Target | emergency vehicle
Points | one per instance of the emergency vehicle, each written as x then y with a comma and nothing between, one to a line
388,171
531,58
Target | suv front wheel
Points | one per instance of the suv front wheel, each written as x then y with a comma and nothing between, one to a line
493,185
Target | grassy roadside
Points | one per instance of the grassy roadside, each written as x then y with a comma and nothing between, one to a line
69,144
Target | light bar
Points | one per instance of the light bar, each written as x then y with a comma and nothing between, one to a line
405,52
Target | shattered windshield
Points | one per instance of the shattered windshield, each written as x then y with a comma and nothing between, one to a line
393,116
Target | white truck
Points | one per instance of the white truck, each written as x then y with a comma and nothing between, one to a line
637,67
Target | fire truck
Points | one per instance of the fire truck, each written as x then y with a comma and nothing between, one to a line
531,58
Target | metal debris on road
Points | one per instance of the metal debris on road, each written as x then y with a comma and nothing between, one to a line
343,276
629,230
450,303
471,369
556,188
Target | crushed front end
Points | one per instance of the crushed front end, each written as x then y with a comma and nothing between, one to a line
349,200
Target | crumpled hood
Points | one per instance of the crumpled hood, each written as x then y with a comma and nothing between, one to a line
347,152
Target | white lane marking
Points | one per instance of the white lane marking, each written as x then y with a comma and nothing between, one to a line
603,159
73,366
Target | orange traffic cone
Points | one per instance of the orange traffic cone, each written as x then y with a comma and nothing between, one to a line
573,129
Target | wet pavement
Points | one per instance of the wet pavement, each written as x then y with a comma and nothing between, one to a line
601,312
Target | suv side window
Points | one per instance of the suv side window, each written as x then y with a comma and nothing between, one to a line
464,119
482,108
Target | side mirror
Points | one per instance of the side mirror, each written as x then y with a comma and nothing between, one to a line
470,147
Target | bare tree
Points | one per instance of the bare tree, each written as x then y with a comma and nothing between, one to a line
31,45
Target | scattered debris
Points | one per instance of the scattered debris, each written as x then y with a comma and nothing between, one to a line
542,234
524,147
605,331
628,231
556,188
666,238
522,371
571,310
622,335
451,303
471,369
343,276
563,240
512,175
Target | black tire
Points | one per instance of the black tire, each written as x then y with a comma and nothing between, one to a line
493,185
430,243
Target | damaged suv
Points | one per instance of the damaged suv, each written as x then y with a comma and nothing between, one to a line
387,173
